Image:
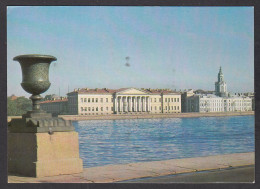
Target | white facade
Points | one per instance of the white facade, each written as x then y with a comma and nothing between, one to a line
205,103
123,101
213,103
237,103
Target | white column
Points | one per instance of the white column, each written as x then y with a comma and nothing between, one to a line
130,104
121,104
142,104
116,108
145,109
148,104
126,104
135,103
139,103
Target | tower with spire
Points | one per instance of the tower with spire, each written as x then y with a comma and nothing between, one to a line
221,85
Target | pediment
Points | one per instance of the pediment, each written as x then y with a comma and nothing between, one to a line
132,91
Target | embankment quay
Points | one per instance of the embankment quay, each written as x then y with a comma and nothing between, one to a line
146,116
156,169
149,116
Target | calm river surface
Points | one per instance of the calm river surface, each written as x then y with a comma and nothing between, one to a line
103,142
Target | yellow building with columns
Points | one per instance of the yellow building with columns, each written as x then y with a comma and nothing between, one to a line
85,101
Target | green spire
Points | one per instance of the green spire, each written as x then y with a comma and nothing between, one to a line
220,70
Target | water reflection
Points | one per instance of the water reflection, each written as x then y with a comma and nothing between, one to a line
124,141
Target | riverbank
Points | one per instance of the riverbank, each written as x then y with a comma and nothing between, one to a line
149,116
145,116
124,172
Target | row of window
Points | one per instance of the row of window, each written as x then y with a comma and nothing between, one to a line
112,100
95,109
95,100
212,109
171,99
171,108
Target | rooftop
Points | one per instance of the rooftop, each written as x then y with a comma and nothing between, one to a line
112,91
54,101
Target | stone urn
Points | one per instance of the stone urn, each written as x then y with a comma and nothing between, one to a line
35,73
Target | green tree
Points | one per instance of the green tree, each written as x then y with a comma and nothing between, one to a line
19,106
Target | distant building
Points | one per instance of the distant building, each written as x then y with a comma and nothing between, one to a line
13,97
221,101
213,103
184,99
123,101
56,107
252,96
52,97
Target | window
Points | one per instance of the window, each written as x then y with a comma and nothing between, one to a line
92,108
88,108
106,99
107,108
85,108
151,108
169,100
160,108
93,99
81,99
88,99
166,100
174,107
101,108
178,107
154,99
81,108
111,108
96,108
174,99
111,99
85,100
96,99
101,100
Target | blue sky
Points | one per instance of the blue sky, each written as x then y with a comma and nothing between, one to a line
169,47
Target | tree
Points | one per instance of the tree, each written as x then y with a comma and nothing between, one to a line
19,106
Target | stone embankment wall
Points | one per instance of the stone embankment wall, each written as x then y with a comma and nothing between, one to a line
149,116
146,116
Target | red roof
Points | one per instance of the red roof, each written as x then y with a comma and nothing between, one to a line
159,91
111,91
52,101
97,91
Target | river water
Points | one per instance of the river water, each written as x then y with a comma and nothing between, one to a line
103,142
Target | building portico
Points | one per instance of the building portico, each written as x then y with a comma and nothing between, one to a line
132,103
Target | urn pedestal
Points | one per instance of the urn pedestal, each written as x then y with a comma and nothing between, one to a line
38,144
